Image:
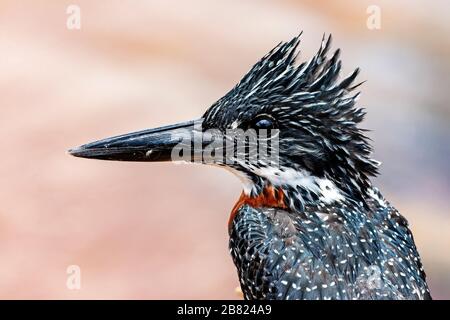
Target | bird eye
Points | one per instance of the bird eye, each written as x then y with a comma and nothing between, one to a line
264,122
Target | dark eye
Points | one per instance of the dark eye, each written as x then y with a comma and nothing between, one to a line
264,122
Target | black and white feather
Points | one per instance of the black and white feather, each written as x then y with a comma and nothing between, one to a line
335,237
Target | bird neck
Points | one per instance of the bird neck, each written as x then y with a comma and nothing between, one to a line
293,195
269,197
299,187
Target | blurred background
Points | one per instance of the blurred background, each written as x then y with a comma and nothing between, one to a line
160,231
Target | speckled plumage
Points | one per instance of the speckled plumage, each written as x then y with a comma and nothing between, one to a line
326,252
334,236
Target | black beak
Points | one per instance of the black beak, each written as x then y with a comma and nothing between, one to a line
161,144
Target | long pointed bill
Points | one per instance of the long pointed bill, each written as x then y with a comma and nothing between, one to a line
179,142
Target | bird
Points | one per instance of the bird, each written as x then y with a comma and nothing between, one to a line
310,225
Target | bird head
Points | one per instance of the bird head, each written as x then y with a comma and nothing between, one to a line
302,116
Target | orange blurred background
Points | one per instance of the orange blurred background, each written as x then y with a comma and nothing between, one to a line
159,231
